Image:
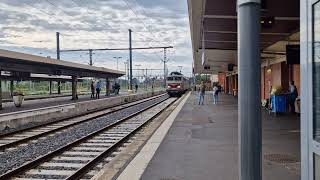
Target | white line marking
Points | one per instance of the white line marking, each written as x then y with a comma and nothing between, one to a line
137,166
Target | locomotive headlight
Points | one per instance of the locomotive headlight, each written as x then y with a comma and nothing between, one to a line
169,87
179,87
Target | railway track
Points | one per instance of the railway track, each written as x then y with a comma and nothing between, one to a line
16,138
76,159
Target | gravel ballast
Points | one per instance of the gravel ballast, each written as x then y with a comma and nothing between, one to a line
16,157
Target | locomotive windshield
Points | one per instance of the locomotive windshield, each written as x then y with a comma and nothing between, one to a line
174,78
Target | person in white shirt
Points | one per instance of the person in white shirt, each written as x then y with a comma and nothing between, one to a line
215,92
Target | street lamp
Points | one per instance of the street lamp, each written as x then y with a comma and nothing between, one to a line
138,65
117,61
180,67
125,70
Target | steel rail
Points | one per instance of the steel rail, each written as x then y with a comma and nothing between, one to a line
23,140
49,155
80,172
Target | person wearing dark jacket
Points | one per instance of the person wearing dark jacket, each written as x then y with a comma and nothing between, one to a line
98,89
117,87
92,89
292,96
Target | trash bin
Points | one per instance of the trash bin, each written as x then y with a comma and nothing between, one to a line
278,103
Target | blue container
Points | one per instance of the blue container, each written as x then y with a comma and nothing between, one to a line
279,103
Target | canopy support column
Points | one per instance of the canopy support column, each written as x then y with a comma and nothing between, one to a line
107,87
50,87
249,89
74,87
11,88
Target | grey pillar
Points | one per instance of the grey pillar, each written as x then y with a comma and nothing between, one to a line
90,57
50,87
74,87
107,87
130,58
58,57
0,93
249,89
11,88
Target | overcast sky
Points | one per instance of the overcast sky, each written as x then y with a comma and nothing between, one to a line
30,25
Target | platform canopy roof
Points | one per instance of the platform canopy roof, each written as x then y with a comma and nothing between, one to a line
5,75
25,64
213,25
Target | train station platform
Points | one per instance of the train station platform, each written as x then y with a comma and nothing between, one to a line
34,102
202,143
36,112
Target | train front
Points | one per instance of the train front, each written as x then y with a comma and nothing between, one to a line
175,86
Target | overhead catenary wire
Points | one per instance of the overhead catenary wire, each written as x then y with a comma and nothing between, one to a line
144,13
151,39
76,3
51,15
87,10
139,19
56,17
112,28
109,27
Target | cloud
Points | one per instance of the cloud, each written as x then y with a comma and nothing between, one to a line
30,26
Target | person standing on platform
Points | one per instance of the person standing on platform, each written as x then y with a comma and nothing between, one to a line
202,93
98,89
117,88
293,94
215,93
92,89
152,88
136,86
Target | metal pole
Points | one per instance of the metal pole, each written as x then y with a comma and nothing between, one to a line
50,87
249,89
117,61
164,73
125,70
11,88
180,68
58,45
146,79
58,57
74,87
0,93
128,73
90,56
130,57
107,87
164,66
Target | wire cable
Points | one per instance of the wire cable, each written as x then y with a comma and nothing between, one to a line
139,19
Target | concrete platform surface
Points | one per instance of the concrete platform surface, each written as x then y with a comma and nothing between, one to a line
43,111
202,143
46,102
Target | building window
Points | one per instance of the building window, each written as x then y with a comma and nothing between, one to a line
316,71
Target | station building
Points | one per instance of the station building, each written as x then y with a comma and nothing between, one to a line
254,46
